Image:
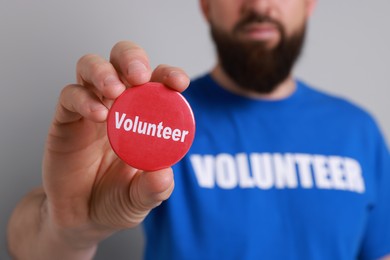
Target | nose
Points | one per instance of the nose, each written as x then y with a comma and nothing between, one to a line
258,6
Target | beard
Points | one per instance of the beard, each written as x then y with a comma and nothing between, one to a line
251,64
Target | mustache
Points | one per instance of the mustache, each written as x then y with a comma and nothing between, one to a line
254,17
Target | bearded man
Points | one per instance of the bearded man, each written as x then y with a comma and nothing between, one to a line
277,170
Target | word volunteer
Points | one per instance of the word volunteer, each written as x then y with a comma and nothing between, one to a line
150,129
276,170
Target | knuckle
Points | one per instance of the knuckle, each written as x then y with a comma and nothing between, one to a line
166,69
86,59
125,45
162,68
66,91
99,69
74,96
133,52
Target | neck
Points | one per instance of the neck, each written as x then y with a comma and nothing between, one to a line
283,90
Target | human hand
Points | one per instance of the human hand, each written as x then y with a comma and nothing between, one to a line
90,192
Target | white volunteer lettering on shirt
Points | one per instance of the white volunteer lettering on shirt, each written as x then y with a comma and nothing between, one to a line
261,170
321,172
145,128
303,161
245,179
279,171
353,176
204,168
285,173
335,165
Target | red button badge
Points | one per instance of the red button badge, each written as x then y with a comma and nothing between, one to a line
150,126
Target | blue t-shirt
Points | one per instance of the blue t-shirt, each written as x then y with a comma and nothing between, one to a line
306,177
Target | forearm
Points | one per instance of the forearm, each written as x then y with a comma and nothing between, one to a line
31,234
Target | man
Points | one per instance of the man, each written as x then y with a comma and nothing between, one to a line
277,170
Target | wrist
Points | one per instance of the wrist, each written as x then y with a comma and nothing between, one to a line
68,241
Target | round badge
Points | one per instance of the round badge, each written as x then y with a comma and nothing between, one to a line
150,126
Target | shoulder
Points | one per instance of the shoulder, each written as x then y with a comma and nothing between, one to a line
335,105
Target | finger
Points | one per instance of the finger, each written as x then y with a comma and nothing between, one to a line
123,200
151,188
131,62
92,70
172,77
76,102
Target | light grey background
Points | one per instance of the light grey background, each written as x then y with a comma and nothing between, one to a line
347,53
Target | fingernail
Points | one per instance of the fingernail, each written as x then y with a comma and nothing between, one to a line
136,67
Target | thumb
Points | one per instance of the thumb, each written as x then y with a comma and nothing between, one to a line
150,189
124,203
